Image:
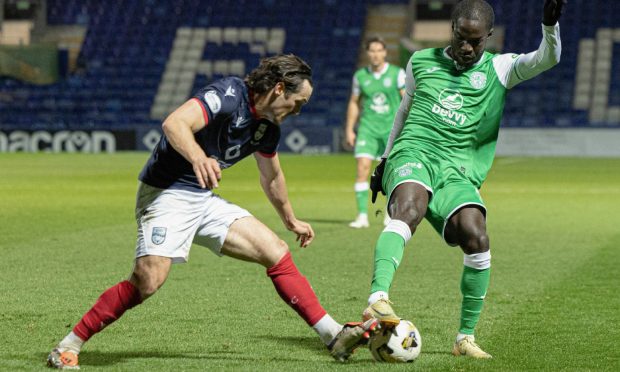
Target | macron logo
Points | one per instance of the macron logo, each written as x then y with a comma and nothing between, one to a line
230,92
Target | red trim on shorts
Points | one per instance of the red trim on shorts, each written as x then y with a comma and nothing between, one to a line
266,155
204,111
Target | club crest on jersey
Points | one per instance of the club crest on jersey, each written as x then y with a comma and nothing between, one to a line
158,235
478,80
387,82
407,169
213,101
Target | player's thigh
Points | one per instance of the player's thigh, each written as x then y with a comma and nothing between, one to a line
368,145
407,180
249,239
167,221
217,220
449,199
407,167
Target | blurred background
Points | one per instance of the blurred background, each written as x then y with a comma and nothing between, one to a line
99,76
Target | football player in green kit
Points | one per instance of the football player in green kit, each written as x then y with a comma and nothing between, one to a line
377,92
441,147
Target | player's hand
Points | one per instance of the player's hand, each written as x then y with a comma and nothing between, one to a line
552,11
376,180
350,138
304,232
207,171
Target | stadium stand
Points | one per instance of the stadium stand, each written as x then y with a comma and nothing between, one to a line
140,59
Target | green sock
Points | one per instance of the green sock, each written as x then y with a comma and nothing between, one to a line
362,201
388,254
474,285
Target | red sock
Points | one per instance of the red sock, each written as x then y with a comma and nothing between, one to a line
295,290
110,306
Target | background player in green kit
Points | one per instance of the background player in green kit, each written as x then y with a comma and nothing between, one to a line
441,147
378,89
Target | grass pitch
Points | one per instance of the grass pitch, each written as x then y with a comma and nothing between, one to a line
67,233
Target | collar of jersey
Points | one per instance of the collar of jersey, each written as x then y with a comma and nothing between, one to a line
456,65
251,100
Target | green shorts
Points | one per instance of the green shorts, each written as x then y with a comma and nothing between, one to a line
369,145
450,188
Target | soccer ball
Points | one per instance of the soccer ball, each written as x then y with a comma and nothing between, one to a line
400,344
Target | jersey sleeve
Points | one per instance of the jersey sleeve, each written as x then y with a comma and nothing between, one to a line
513,68
401,79
355,86
403,110
271,142
218,100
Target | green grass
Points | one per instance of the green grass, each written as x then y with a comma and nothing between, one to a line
67,233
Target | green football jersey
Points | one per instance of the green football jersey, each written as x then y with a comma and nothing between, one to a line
380,97
455,114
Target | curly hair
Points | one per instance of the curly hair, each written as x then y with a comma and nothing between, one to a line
286,68
474,9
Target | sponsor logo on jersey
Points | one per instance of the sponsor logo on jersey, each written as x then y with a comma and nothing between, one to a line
478,80
432,69
213,101
380,103
159,235
387,82
230,92
450,101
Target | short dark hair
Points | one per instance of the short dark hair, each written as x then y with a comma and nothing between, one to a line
474,9
286,68
375,39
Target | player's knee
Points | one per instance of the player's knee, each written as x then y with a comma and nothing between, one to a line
476,242
147,283
273,253
407,212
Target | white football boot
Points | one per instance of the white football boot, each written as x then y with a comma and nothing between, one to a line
360,222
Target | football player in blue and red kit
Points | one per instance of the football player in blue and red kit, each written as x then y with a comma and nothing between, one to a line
175,205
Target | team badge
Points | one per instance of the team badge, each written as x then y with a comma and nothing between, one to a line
478,80
451,99
387,82
159,235
213,101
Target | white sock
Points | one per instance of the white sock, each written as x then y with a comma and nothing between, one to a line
461,336
327,328
72,343
376,296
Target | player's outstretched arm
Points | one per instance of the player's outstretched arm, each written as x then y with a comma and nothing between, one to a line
274,184
179,128
529,65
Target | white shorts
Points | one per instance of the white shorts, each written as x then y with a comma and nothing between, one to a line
170,220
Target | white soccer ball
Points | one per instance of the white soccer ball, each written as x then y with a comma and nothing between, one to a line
400,344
